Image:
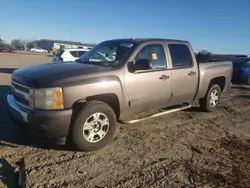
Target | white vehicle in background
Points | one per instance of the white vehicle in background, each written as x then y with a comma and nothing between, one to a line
98,56
38,50
70,54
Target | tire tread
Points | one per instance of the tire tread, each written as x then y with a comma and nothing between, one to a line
204,101
86,108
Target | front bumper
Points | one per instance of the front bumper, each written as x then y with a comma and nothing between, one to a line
41,123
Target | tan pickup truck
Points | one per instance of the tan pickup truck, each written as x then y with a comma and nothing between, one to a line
82,101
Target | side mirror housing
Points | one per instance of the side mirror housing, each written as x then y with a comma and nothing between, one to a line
141,64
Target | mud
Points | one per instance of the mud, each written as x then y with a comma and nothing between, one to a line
184,149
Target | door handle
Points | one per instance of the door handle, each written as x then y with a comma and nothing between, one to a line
164,77
192,73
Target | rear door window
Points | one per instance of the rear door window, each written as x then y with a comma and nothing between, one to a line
74,53
77,53
180,55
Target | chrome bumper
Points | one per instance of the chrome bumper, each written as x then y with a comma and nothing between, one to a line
15,111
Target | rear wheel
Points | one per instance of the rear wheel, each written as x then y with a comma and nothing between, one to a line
212,99
94,126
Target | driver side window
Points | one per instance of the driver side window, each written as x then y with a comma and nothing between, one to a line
155,54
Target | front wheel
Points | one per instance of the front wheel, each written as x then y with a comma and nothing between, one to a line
212,99
94,126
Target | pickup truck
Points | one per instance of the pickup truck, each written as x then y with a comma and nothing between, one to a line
81,102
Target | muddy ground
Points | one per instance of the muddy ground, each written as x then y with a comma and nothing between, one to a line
184,149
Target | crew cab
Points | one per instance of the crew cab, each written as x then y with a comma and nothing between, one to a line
81,102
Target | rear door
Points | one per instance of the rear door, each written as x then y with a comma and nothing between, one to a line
184,74
76,54
149,89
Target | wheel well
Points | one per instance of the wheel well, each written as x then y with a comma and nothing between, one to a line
110,98
221,81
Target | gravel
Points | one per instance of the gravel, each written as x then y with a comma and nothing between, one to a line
184,149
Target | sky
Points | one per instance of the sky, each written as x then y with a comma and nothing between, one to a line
219,26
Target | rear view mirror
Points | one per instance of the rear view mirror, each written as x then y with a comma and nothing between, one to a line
141,64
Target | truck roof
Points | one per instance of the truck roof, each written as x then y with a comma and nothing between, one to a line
141,40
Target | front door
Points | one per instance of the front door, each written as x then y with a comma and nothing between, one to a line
148,89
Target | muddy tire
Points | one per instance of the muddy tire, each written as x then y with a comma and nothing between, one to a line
211,101
93,126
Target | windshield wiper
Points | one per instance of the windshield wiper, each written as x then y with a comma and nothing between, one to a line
98,63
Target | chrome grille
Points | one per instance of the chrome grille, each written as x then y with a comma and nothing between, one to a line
20,94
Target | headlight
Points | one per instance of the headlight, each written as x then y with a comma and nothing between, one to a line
49,98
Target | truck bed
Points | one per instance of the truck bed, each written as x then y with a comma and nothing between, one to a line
220,69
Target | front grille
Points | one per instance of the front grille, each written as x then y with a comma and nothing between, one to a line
20,93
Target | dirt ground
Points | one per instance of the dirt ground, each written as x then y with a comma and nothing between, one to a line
184,149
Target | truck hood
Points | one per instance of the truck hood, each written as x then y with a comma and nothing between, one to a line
46,74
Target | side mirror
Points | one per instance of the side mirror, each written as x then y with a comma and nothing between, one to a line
141,64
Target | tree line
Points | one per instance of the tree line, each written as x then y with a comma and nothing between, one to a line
19,44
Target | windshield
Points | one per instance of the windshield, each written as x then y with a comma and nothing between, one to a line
109,53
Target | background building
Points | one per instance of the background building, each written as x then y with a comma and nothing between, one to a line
60,44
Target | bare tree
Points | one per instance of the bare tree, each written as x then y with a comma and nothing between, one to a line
1,42
30,44
16,43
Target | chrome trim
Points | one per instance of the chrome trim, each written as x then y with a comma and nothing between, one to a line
23,105
21,93
185,106
20,84
26,95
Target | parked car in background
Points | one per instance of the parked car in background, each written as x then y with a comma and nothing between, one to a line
241,70
70,54
239,56
4,49
38,50
82,101
12,50
7,50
